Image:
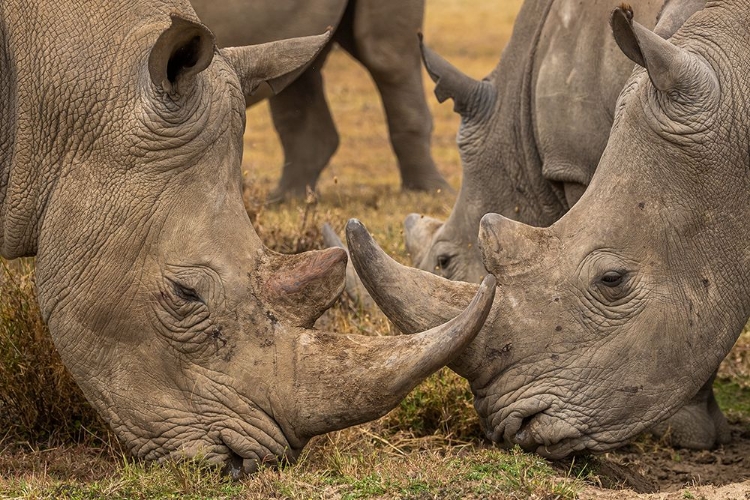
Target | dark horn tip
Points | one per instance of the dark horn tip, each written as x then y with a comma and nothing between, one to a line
356,231
624,12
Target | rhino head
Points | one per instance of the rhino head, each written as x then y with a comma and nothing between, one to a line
502,170
612,318
182,329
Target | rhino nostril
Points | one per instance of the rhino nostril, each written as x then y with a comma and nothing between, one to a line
524,437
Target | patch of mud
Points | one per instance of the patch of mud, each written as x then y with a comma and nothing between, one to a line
642,469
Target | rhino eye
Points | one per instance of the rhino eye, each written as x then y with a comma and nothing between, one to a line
443,261
611,279
186,293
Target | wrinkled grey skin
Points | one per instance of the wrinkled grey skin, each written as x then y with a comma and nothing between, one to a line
612,318
120,146
532,131
379,34
531,136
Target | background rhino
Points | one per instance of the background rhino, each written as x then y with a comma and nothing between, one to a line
612,318
532,131
120,147
379,34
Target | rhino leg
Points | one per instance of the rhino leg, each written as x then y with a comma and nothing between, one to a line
699,424
383,37
306,130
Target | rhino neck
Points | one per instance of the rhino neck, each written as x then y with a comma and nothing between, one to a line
502,164
53,108
35,93
18,179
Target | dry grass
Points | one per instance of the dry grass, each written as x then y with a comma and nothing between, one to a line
39,402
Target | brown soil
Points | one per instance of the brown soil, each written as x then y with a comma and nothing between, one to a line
648,470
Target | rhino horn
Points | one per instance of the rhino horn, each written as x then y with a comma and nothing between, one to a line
372,374
413,299
419,230
301,287
182,51
450,83
274,64
669,67
354,288
505,242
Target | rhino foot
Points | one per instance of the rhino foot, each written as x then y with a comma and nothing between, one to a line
285,192
427,183
698,425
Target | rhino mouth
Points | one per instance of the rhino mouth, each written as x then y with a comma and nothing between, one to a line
245,455
537,425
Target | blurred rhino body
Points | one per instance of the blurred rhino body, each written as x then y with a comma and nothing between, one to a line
382,35
120,148
612,318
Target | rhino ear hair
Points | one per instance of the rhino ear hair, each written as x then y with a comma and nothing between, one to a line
275,64
182,51
663,60
451,83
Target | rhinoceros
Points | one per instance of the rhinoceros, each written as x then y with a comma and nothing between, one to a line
531,136
612,318
120,147
382,35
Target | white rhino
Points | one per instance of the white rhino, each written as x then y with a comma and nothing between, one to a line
611,319
120,145
531,136
381,35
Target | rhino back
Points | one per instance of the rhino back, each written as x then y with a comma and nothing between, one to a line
248,22
578,74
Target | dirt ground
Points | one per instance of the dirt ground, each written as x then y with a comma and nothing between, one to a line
646,467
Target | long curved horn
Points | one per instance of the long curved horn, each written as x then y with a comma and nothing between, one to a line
371,375
413,299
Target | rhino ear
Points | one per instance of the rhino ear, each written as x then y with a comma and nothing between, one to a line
276,64
182,51
665,62
450,83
